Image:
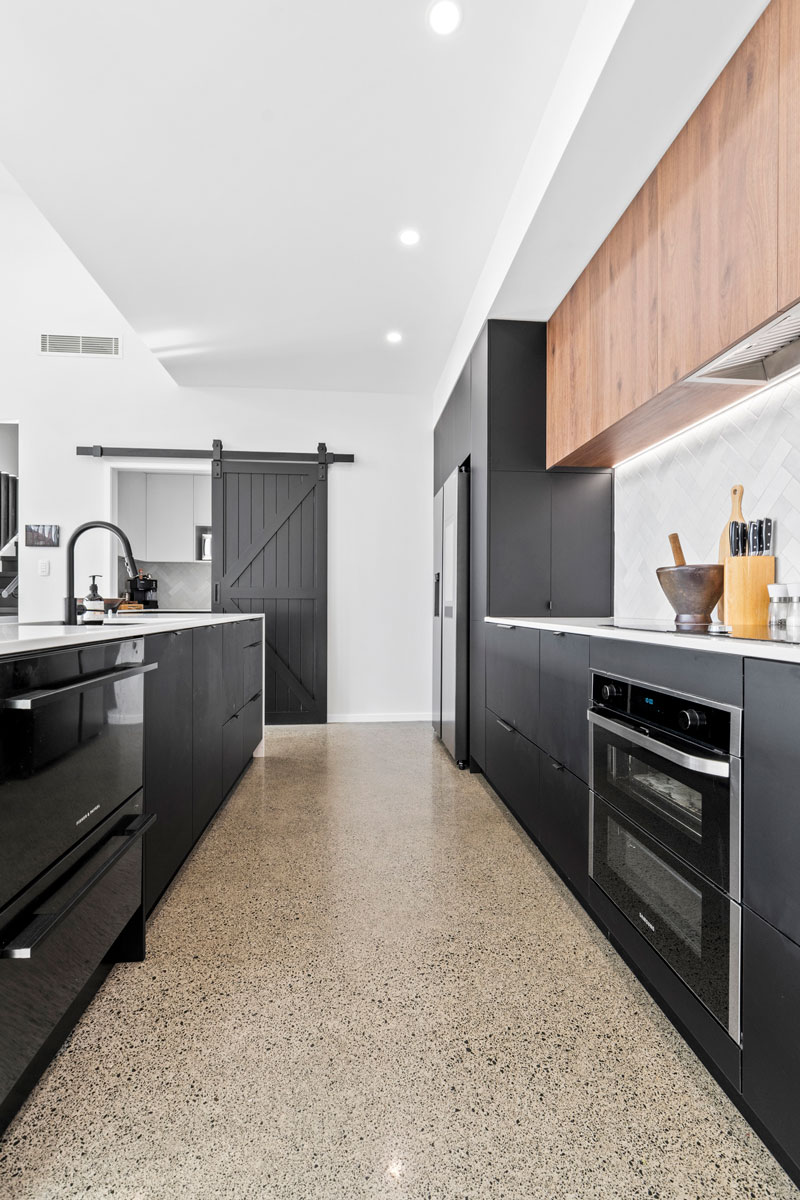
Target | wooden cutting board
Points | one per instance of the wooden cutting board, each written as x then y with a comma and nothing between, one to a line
737,491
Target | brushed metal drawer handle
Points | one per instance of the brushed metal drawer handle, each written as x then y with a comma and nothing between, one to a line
501,625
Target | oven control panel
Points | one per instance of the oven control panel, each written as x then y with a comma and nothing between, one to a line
687,717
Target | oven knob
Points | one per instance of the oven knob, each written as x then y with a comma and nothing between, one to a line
690,718
610,691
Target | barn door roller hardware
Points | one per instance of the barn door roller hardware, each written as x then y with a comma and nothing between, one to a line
323,458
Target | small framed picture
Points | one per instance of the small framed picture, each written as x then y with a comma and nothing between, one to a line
42,535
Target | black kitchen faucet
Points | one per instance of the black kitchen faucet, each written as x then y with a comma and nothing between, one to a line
71,604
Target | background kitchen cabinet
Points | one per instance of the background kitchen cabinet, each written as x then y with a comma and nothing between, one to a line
132,510
789,154
167,758
170,518
207,791
519,544
581,544
513,766
160,511
563,699
497,418
512,676
771,765
771,1031
563,828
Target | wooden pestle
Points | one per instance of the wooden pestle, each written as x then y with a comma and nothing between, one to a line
677,551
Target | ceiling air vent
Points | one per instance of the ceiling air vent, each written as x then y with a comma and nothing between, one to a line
77,343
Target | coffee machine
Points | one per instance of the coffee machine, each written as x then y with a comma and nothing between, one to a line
143,589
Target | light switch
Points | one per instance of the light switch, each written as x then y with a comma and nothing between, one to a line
44,566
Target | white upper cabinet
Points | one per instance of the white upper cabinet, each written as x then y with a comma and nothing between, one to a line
160,512
131,509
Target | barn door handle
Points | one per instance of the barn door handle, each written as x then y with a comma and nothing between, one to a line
216,593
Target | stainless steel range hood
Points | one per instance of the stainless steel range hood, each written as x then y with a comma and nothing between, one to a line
769,354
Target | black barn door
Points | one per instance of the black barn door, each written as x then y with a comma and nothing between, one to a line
270,555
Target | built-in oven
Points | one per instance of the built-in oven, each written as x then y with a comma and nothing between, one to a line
665,833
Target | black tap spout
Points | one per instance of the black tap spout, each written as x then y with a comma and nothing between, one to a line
71,604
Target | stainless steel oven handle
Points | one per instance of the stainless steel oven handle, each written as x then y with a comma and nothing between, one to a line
692,762
37,699
43,923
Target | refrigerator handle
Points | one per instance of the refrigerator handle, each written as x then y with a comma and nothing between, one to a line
436,582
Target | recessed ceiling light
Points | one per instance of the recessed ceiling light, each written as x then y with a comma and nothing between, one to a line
394,336
444,17
409,237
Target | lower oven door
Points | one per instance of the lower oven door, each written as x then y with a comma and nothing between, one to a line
694,926
687,799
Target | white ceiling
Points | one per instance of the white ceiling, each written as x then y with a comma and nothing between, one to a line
235,175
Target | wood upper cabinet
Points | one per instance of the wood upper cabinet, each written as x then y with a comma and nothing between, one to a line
707,251
632,307
789,155
569,417
718,212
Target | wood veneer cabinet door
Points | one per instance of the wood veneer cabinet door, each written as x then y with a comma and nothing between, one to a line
789,155
718,212
567,391
632,310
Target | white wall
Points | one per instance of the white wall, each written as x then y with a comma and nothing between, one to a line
379,507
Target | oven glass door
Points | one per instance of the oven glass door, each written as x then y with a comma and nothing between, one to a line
692,811
693,926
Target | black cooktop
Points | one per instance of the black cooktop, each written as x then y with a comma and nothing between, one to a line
743,633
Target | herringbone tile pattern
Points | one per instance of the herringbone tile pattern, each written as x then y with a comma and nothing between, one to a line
684,486
184,586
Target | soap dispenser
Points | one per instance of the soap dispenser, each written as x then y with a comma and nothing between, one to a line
93,604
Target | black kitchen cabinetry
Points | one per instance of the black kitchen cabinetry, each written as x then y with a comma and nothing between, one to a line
564,822
540,542
771,1031
564,699
513,766
203,720
167,758
207,790
771,763
512,676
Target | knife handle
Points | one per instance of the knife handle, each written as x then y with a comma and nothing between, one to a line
743,537
768,535
733,537
753,537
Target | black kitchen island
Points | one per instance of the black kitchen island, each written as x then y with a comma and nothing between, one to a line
118,744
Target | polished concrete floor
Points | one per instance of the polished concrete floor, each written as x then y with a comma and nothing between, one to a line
368,983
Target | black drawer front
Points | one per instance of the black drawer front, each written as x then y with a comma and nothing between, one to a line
694,672
232,752
512,768
253,671
252,720
71,758
512,676
564,699
36,992
564,823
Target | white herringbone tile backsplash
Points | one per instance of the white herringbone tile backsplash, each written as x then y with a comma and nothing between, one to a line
685,486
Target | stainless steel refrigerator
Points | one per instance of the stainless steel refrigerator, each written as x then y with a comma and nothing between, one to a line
451,614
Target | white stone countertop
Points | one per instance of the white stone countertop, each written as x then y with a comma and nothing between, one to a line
19,639
751,641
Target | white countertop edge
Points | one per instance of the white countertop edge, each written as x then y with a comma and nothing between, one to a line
712,644
20,639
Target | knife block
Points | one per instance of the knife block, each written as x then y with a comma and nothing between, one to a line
745,595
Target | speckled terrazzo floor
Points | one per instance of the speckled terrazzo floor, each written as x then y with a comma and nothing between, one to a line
366,983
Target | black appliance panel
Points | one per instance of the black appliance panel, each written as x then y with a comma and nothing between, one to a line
71,731
694,926
688,800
